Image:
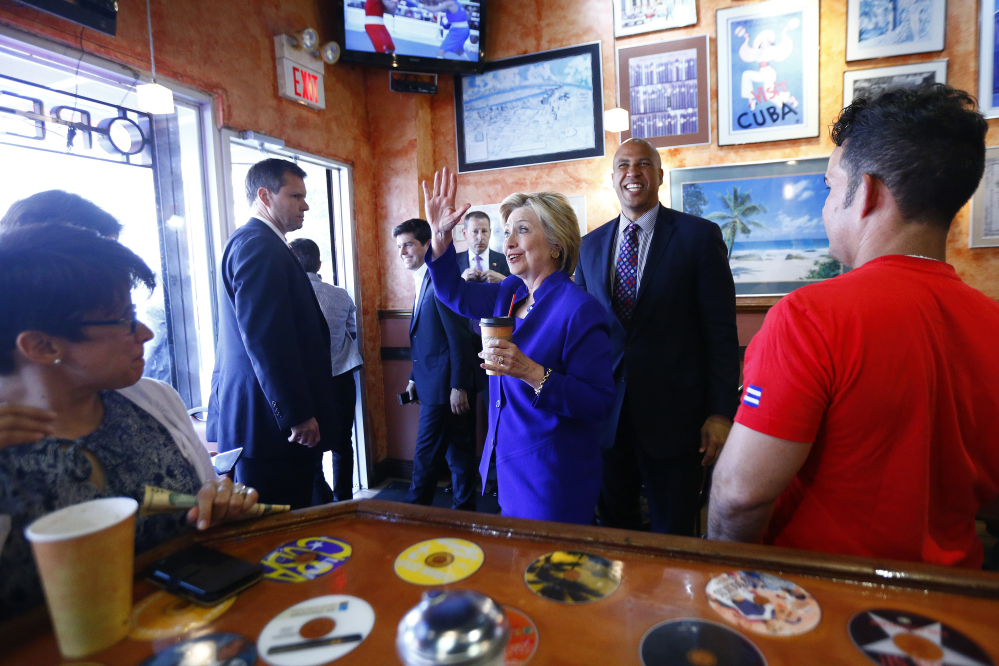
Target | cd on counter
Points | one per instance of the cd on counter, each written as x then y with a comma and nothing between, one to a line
216,649
695,642
898,638
763,603
305,559
162,615
438,561
523,638
573,577
316,631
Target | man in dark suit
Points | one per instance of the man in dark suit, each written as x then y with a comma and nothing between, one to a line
441,346
274,385
665,281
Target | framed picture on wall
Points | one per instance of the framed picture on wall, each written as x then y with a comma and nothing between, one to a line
633,17
873,82
768,71
666,89
532,109
884,28
770,214
988,58
984,229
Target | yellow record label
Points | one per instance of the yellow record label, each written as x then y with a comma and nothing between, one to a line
438,561
162,615
573,577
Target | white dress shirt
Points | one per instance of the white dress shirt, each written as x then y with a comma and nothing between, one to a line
274,229
418,276
485,260
646,225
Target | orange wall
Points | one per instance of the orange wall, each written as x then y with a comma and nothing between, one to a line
227,49
525,26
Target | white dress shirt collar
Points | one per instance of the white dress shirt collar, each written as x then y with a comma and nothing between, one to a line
418,276
484,255
274,229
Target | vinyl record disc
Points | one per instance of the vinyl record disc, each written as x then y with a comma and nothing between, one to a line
763,603
693,642
573,577
438,561
210,650
897,638
523,638
305,559
316,631
162,615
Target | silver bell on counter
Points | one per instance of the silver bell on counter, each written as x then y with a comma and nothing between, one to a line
454,627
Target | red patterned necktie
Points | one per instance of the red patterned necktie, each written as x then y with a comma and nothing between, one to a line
626,282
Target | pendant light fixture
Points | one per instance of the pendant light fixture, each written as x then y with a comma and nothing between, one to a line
154,98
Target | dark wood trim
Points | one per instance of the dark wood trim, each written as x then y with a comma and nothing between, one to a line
393,468
755,303
396,354
397,313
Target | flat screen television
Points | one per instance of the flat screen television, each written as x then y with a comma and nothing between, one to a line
413,35
101,15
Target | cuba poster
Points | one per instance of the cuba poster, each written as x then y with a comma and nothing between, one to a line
768,71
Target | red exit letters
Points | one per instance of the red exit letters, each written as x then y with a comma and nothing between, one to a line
306,85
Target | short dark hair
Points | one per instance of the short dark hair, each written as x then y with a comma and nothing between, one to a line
419,228
307,253
269,173
52,276
476,214
927,145
61,207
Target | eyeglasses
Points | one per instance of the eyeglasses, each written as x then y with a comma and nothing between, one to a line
129,320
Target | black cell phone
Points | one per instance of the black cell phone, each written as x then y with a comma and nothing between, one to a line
203,576
404,398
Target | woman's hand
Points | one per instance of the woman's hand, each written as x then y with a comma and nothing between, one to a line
442,213
220,501
20,424
505,358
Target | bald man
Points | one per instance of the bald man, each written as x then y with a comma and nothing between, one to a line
665,281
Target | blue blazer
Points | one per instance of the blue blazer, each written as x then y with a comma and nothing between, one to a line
441,345
548,442
273,368
497,262
679,359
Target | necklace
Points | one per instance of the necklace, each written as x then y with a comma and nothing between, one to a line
919,256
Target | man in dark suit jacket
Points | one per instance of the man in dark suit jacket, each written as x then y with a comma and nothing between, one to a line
441,346
665,281
274,385
480,264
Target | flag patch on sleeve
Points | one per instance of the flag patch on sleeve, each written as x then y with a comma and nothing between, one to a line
752,396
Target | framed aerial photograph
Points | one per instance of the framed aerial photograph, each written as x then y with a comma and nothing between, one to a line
984,225
768,71
633,17
884,28
988,55
666,89
770,214
873,82
532,109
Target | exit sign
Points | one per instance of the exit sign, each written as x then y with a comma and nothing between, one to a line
300,74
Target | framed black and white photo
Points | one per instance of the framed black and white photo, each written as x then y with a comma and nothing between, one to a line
988,54
873,82
770,215
532,109
666,89
633,17
768,71
884,28
984,226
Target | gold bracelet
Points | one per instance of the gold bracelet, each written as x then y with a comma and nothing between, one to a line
537,391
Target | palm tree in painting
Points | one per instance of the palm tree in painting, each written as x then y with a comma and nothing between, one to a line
737,219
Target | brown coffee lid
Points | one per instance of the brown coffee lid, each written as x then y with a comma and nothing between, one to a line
496,322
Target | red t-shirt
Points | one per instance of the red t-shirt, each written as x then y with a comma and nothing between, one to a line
892,370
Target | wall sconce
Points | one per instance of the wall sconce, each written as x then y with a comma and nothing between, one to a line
152,97
616,120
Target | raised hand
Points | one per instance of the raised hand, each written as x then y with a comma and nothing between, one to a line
441,211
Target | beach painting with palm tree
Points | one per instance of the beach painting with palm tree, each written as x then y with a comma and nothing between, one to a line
771,225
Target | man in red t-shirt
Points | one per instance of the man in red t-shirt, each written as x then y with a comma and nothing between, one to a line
867,423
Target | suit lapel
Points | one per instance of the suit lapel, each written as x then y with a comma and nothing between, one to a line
660,239
419,306
604,260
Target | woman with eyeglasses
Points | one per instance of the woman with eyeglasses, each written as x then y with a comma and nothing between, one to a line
71,362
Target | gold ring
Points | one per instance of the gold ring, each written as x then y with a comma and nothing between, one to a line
501,360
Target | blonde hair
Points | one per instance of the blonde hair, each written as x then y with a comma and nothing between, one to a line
558,223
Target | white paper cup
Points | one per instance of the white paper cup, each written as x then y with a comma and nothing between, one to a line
86,556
